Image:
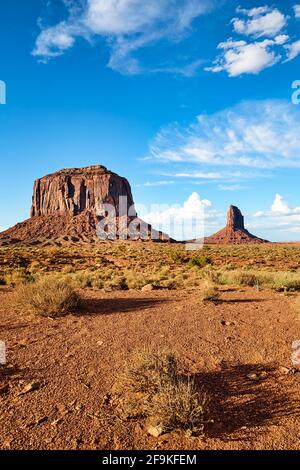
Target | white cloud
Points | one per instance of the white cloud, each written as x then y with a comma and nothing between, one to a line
280,218
198,174
189,220
260,22
239,57
232,187
149,184
257,135
53,42
279,206
266,43
293,50
297,10
125,25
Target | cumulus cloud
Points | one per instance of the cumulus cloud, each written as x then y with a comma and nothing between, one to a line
260,22
253,134
280,208
185,221
265,42
280,218
293,50
239,57
125,25
297,10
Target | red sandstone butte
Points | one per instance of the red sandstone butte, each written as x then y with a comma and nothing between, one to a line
234,233
65,207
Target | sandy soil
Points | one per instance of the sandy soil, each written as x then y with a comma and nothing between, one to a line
61,372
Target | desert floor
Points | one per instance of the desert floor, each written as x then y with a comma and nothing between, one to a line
55,391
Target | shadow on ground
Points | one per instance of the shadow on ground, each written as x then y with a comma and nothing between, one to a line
239,404
115,305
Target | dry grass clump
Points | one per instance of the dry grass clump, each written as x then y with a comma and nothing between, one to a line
281,281
153,389
18,276
50,296
208,291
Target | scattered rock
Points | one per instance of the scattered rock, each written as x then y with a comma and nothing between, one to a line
253,377
62,409
56,422
284,370
256,377
148,288
155,431
263,375
30,388
228,323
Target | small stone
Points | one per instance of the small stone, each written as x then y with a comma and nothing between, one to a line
56,422
147,288
227,323
155,431
100,343
284,370
253,377
263,375
30,388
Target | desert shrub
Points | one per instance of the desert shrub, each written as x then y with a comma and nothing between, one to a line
179,405
50,296
285,281
178,256
281,281
200,260
244,278
135,280
154,389
212,275
208,291
19,276
67,269
35,266
2,281
145,371
117,282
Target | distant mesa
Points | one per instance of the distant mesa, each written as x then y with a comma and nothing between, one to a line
65,204
65,208
234,233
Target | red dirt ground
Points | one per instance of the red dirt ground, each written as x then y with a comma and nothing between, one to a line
74,360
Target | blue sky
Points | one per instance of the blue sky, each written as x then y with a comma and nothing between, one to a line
179,96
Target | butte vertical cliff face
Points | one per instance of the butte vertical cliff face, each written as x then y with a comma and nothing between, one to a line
77,190
66,205
235,231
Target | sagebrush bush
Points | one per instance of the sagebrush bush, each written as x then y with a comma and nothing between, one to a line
200,260
19,276
208,291
50,296
153,389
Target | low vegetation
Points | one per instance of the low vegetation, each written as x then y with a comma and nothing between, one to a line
152,388
50,296
122,266
208,291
